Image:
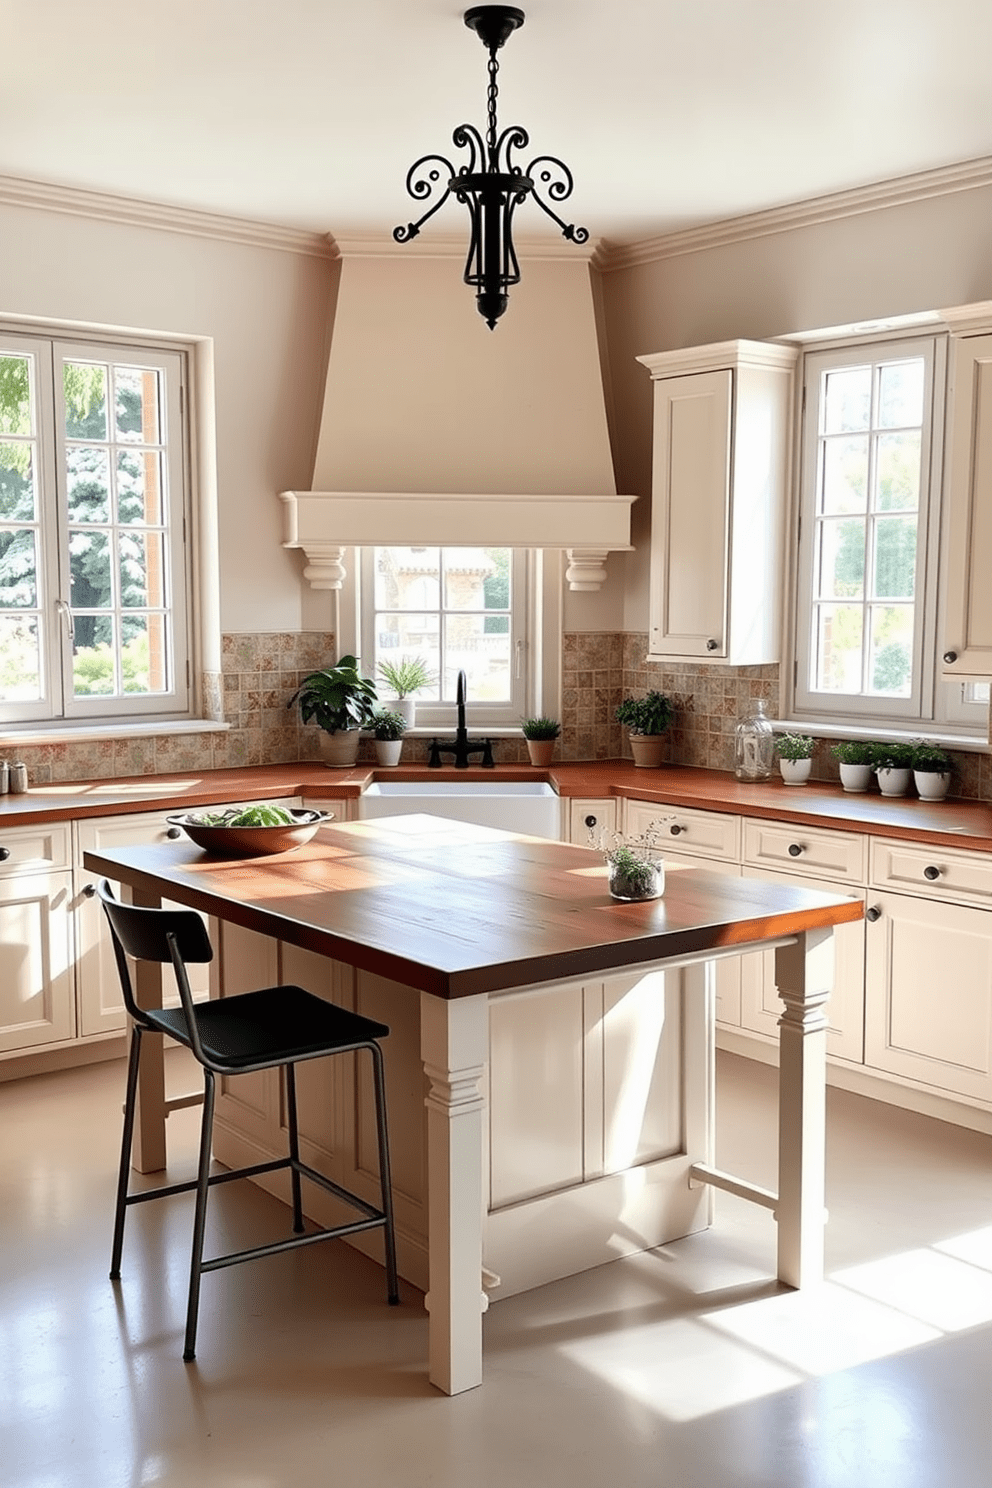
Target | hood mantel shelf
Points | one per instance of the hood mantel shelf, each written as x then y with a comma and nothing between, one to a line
325,523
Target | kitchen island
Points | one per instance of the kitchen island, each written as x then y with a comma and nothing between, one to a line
464,925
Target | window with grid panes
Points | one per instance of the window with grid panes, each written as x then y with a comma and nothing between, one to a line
93,584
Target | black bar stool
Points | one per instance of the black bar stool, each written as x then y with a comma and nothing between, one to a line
277,1026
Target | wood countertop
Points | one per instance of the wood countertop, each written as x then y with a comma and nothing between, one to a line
456,910
951,823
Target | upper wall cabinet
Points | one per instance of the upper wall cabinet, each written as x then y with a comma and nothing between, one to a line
967,633
722,422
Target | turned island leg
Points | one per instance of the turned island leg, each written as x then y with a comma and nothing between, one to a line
804,976
454,1039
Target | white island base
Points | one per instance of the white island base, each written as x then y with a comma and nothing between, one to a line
561,1126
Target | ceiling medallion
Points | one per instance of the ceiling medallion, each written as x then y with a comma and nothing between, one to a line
490,184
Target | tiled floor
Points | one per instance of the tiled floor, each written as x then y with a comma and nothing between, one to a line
686,1368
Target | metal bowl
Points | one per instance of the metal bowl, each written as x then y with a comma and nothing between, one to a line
252,842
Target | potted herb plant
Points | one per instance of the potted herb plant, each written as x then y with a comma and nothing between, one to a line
646,720
541,734
636,866
340,701
932,770
406,675
388,729
855,759
795,757
893,763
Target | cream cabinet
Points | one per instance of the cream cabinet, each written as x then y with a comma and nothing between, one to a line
699,839
721,452
588,815
37,1003
928,992
966,645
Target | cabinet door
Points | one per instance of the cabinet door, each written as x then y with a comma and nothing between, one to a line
967,632
690,515
585,816
36,984
928,994
761,1006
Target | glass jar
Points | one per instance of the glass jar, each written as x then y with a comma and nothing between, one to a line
754,745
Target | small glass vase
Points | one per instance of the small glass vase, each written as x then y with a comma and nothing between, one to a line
646,880
754,745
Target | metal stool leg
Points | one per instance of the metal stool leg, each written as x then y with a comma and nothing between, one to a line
392,1285
294,1147
127,1137
200,1216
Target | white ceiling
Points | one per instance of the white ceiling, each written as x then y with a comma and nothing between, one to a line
670,113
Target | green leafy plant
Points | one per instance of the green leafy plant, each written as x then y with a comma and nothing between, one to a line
854,752
632,876
336,698
540,728
407,674
647,715
894,755
388,726
265,814
930,759
794,746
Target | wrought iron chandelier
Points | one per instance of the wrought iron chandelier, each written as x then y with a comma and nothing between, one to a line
490,184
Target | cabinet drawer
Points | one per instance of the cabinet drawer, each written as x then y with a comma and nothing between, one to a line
706,834
932,872
34,848
813,853
587,815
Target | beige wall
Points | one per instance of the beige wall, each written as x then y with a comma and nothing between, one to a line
892,261
267,311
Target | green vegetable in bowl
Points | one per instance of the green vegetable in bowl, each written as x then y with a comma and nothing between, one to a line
262,815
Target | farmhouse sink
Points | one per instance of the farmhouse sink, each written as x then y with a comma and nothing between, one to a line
525,806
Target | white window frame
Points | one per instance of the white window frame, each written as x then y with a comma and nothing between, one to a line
935,706
536,638
59,709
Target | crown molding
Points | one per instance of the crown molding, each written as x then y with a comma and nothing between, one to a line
968,175
134,212
455,246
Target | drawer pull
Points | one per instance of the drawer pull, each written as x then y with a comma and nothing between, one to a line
89,890
873,914
795,850
590,820
931,873
712,645
4,854
950,657
676,829
173,833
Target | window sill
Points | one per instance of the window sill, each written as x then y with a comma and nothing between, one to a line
84,733
971,743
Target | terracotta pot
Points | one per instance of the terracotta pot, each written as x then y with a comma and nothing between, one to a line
541,751
339,750
648,749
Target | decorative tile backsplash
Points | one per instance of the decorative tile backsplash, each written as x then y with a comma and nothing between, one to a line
260,672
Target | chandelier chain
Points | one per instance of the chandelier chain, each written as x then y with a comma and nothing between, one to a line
492,96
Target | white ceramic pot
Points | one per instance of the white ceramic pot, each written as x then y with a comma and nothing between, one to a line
795,772
855,777
932,785
648,749
388,751
406,707
339,750
893,782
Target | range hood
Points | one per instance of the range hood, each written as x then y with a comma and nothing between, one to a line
436,431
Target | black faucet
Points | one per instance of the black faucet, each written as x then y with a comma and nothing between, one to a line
461,746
